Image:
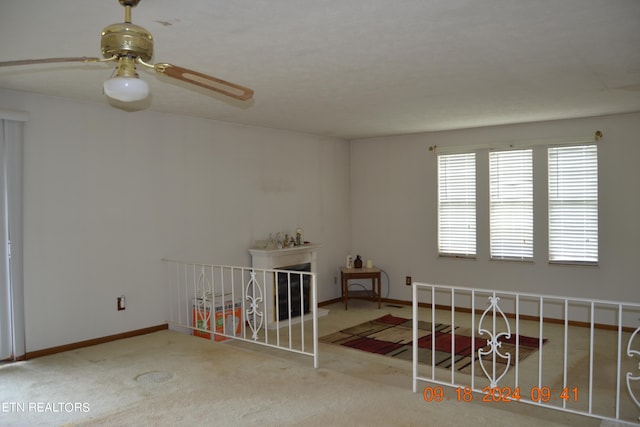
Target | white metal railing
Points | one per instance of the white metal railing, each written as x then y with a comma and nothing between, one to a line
222,302
582,355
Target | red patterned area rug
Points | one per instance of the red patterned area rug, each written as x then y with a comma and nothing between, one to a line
392,336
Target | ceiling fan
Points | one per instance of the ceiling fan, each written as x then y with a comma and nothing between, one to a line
129,44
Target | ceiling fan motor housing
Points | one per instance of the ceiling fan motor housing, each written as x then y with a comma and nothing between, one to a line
126,39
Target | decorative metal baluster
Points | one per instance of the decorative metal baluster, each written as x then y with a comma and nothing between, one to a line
494,341
632,353
254,315
204,297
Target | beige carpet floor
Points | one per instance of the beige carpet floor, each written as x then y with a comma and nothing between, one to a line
168,378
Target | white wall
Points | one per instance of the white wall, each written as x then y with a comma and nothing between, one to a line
394,212
108,194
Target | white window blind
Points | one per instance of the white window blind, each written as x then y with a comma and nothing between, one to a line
457,204
573,204
511,204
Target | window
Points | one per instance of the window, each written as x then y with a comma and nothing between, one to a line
457,204
573,204
572,192
511,204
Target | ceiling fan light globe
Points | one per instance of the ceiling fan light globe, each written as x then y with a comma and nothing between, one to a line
126,89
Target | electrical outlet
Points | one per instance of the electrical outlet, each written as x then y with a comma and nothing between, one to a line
407,281
335,280
120,303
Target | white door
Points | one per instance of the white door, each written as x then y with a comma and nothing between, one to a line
12,342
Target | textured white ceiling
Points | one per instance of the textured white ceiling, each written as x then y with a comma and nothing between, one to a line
351,68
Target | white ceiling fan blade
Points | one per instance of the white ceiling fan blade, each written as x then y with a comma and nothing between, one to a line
48,61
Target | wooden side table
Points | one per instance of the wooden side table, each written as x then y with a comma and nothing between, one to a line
372,274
